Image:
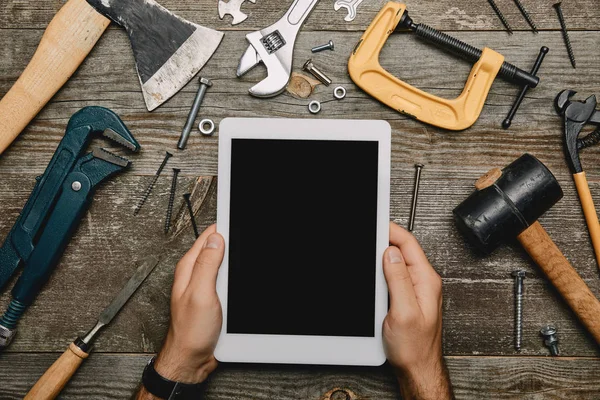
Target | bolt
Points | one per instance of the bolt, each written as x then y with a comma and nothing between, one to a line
501,16
526,15
191,210
152,183
310,67
327,46
171,200
413,209
550,339
563,27
187,129
519,276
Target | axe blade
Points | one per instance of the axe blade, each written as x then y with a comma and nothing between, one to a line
168,50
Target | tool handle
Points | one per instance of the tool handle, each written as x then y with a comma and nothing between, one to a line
58,375
68,39
589,210
563,276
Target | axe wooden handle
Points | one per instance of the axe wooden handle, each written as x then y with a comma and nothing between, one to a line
68,39
563,276
58,375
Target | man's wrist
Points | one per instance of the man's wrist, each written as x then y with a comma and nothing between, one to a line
176,365
426,382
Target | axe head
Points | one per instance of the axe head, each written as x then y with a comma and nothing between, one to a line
168,50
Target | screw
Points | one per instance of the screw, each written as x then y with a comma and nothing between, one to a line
171,200
550,339
563,27
327,46
191,210
513,110
526,15
152,183
310,67
413,209
501,16
519,276
204,85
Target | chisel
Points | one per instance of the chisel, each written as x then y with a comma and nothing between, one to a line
57,376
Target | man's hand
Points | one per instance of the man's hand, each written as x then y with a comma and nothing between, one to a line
412,330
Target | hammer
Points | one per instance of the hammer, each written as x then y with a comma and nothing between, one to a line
507,204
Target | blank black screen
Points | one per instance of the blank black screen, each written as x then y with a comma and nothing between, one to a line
302,237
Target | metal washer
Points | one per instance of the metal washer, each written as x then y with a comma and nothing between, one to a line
314,107
210,130
339,92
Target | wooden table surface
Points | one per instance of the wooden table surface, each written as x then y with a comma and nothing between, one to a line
478,291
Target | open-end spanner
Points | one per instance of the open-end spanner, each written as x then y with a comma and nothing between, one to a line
350,6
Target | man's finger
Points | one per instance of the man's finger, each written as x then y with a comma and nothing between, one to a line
408,245
185,266
400,285
206,267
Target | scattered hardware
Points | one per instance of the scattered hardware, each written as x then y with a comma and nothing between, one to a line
339,92
301,86
413,207
58,375
56,206
550,339
323,47
191,211
151,184
526,15
456,114
274,46
233,8
565,33
162,46
513,110
350,6
314,107
519,276
576,115
207,127
171,199
204,85
507,203
309,66
500,16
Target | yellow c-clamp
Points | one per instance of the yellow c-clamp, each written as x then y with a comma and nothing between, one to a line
454,114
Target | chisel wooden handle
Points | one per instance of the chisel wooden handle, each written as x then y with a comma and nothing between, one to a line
563,276
587,204
68,39
57,376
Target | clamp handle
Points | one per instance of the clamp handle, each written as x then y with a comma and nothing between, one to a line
453,114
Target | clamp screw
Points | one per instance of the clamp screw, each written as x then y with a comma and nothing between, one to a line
563,27
413,208
204,85
171,200
310,67
152,183
327,46
550,339
519,275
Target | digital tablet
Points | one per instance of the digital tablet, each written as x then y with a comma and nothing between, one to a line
303,206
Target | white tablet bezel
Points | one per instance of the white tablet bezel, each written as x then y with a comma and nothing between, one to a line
304,349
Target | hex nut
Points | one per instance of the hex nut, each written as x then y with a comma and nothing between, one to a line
339,92
314,107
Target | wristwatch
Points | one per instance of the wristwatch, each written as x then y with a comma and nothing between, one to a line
167,389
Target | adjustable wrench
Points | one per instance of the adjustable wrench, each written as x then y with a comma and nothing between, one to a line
274,47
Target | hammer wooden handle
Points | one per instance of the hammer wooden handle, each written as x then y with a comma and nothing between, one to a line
68,39
563,276
57,376
587,204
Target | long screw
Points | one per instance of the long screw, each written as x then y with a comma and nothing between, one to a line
191,210
563,27
413,208
550,339
185,134
327,46
316,72
152,183
171,200
519,275
526,15
501,16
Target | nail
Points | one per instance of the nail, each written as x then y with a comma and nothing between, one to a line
213,242
394,255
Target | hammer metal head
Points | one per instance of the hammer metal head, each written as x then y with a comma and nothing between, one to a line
525,190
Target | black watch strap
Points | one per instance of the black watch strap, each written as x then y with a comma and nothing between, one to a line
167,389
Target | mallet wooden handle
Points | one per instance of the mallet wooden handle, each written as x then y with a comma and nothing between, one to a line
57,376
587,204
563,276
68,39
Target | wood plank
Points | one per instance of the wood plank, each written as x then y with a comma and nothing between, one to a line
116,376
446,14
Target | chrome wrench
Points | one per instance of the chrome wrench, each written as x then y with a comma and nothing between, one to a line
274,47
350,5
